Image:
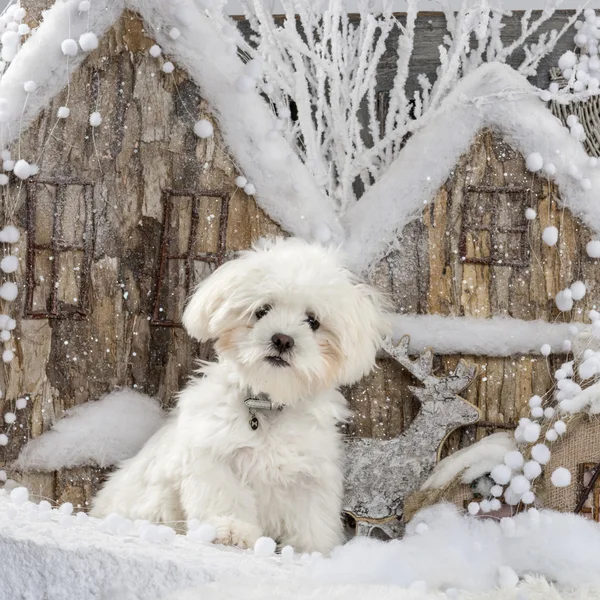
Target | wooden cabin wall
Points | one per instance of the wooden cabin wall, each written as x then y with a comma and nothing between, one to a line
104,191
429,275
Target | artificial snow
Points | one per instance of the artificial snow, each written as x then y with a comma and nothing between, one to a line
471,462
70,558
496,336
101,433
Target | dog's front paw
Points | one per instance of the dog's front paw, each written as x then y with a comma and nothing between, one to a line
234,532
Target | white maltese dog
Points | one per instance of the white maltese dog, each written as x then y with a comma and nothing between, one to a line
253,446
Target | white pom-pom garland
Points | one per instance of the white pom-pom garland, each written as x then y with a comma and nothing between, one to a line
532,469
8,356
95,119
564,300
168,67
155,51
9,264
501,474
514,460
545,349
550,235
203,128
473,508
530,214
578,290
264,547
561,477
520,484
249,189
540,453
22,169
69,47
63,112
88,41
593,248
535,401
534,162
551,435
560,427
9,291
241,181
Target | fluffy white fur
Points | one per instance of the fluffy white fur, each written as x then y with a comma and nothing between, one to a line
283,480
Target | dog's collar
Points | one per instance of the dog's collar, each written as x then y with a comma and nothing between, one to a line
256,402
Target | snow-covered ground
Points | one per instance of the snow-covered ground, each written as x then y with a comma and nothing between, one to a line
52,554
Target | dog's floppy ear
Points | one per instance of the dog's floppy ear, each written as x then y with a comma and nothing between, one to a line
211,301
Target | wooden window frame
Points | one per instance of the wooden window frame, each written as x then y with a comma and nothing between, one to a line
56,247
217,258
493,228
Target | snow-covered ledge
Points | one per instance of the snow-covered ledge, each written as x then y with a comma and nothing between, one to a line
46,554
496,336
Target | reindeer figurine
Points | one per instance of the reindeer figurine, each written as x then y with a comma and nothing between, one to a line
380,474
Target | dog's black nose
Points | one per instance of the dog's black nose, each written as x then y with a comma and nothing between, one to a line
282,342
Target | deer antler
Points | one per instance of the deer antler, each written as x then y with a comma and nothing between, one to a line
435,388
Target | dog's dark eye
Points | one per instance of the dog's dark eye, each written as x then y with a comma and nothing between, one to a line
312,322
262,311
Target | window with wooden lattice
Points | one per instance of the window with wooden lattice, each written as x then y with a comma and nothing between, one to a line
494,227
60,241
590,482
193,244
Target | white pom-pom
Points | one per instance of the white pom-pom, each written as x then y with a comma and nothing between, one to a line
69,47
550,169
560,427
155,51
88,41
81,517
253,68
578,290
84,6
549,412
567,61
23,29
501,474
287,554
264,546
566,345
551,435
9,291
586,184
495,504
511,498
174,33
95,119
8,356
532,469
241,181
66,508
5,335
537,412
9,264
3,439
528,497
520,484
21,403
249,189
530,214
561,477
63,112
545,349
564,300
534,162
473,508
514,460
168,67
203,128
10,234
593,249
550,235
10,418
245,84
4,179
485,506
535,401
19,495
8,165
496,490
421,528
22,169
541,453
572,120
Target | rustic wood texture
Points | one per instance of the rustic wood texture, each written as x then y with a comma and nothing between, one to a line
144,146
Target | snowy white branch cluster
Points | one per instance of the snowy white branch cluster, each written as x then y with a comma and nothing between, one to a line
323,66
